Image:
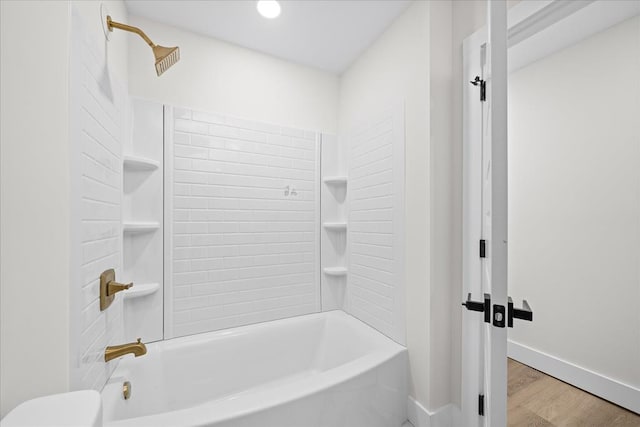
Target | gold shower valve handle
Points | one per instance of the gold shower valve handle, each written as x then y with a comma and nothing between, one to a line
109,287
113,287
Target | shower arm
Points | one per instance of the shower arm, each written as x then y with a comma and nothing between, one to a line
112,24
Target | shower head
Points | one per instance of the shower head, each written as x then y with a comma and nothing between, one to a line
165,56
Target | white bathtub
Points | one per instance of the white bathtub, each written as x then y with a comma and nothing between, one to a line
325,369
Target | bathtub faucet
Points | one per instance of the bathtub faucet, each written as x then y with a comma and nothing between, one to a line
137,348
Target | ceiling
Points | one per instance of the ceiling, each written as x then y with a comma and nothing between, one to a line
325,34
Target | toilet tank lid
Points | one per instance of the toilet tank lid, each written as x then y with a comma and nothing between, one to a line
77,408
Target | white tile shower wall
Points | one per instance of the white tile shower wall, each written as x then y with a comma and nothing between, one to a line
375,289
96,106
244,223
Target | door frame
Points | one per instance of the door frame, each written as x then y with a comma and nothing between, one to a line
531,35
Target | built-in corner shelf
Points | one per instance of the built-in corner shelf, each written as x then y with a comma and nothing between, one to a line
335,226
335,271
137,163
140,290
335,180
140,227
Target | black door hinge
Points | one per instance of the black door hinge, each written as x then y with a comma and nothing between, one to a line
483,87
483,248
481,405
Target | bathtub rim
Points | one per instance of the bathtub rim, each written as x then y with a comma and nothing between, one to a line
168,344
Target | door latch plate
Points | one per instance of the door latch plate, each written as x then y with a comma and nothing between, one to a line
499,316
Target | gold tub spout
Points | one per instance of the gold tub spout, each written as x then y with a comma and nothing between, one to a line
136,348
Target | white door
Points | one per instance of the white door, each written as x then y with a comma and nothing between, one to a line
486,218
494,197
535,28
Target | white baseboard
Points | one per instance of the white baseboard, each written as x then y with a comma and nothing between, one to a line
446,416
614,391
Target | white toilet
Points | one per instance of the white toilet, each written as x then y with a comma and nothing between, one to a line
78,408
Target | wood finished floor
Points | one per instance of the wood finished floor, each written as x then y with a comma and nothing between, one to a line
536,399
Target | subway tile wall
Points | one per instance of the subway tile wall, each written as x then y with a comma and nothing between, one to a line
243,223
96,114
375,287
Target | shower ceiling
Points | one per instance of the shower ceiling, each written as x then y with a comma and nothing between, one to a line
328,35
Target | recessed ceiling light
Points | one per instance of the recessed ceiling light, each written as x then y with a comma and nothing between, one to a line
269,8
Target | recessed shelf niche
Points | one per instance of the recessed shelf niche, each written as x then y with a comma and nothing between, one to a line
143,257
335,180
140,227
138,163
335,271
335,226
333,213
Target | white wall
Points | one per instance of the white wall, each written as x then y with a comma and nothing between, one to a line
398,68
375,286
395,70
442,226
243,249
97,109
36,269
216,76
35,201
574,202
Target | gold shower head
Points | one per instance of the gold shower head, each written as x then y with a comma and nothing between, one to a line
165,56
